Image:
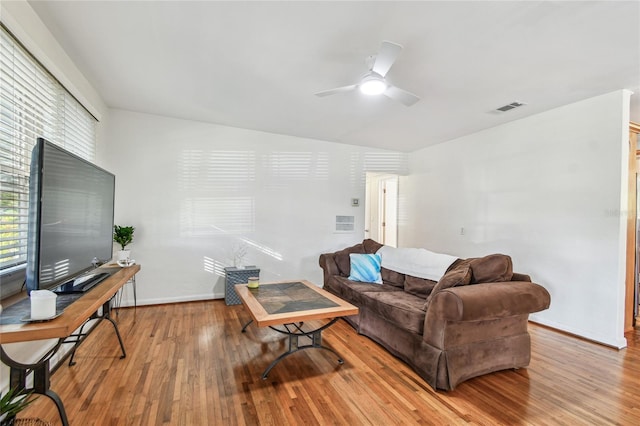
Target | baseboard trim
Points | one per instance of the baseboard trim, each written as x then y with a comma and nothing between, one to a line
582,334
128,303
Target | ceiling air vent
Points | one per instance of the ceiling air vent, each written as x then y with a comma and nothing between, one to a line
510,106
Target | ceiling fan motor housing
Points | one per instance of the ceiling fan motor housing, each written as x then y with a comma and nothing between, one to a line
372,83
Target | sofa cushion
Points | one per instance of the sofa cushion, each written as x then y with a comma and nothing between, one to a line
492,268
365,268
460,275
342,258
353,291
393,278
397,307
488,269
371,246
420,287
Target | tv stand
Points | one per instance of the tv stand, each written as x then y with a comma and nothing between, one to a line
74,317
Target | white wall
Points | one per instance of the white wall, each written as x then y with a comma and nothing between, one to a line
547,190
195,190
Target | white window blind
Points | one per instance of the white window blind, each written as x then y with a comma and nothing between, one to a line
32,104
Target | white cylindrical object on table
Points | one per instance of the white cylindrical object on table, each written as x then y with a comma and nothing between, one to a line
43,304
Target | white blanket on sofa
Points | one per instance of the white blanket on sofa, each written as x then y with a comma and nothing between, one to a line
417,262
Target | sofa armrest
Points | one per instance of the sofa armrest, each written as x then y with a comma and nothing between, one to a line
520,277
329,266
488,301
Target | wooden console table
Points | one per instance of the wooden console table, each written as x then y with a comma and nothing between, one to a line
75,316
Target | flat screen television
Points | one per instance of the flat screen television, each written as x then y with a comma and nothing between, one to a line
70,225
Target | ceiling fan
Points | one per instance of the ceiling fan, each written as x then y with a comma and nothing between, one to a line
374,82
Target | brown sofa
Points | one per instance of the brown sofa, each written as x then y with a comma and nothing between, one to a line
473,321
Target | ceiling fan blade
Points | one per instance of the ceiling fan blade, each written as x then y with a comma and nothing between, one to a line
386,57
338,90
401,96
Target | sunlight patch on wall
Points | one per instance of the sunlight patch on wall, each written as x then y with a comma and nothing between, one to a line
216,169
264,249
284,167
213,266
210,216
381,162
390,162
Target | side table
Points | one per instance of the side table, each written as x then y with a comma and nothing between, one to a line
235,276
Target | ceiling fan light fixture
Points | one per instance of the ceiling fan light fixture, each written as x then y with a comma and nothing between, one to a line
373,86
373,83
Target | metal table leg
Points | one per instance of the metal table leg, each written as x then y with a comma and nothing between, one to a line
244,329
295,332
135,297
81,335
41,377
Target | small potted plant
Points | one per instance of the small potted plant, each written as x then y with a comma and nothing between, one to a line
123,235
12,403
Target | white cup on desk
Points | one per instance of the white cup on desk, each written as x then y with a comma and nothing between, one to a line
43,304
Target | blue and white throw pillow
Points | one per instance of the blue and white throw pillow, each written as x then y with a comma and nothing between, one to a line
365,268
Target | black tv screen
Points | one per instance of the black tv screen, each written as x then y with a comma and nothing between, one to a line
70,216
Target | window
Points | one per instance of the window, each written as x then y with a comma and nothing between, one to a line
32,104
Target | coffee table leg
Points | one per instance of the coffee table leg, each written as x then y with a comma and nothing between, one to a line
316,342
244,329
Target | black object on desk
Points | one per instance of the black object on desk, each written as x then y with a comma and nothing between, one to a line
82,284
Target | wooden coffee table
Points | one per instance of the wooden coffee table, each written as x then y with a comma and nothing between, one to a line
289,304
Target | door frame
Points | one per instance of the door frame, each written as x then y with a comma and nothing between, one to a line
631,274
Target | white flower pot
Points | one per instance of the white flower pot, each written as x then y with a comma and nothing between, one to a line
124,254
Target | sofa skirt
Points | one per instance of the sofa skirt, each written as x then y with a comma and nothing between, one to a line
445,369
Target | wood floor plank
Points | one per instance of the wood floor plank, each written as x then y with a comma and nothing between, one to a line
189,364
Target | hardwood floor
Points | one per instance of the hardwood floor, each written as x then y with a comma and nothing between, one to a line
189,364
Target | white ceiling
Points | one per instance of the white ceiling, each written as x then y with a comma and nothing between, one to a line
257,65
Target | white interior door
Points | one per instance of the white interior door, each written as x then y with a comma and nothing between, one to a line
381,208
